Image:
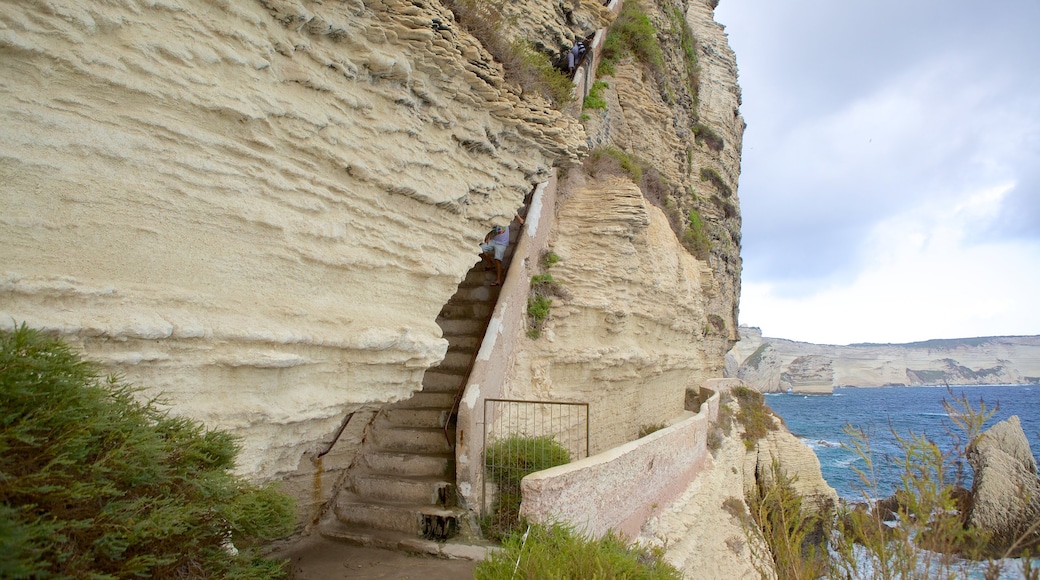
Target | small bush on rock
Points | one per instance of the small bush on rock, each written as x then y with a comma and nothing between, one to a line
507,461
557,551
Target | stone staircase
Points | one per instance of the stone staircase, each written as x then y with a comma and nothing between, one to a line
400,493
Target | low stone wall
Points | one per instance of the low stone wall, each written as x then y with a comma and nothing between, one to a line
621,488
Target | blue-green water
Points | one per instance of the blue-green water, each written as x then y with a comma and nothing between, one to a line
819,420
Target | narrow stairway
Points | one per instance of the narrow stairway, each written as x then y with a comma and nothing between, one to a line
402,487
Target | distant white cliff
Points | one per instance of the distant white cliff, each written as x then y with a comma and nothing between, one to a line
776,364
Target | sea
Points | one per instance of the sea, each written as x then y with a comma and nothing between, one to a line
885,413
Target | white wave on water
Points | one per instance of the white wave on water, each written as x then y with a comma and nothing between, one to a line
815,444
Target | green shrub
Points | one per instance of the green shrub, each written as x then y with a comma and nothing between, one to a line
633,34
595,98
688,45
645,430
794,536
694,237
536,73
549,259
521,63
614,161
507,461
557,551
754,415
704,134
94,484
712,176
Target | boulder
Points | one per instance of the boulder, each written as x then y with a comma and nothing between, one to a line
1005,495
796,461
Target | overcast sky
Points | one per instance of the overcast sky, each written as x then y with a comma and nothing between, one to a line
890,184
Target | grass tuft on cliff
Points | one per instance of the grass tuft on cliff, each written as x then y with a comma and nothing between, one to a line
754,415
531,70
632,34
558,551
507,461
94,484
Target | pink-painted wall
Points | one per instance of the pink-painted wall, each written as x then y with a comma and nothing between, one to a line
621,488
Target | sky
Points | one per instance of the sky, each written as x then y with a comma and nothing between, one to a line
890,176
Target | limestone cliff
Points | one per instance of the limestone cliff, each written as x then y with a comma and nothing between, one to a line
257,208
644,318
776,365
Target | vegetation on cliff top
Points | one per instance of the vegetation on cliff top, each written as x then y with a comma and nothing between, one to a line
533,71
94,484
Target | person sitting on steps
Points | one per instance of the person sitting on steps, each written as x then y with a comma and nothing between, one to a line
494,249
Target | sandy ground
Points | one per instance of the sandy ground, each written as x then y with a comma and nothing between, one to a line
318,558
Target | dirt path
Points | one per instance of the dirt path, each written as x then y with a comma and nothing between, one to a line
318,558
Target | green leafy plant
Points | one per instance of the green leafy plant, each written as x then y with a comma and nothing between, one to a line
694,237
633,34
522,63
543,288
549,259
507,461
794,535
537,311
754,416
94,484
688,47
557,551
712,176
703,134
595,99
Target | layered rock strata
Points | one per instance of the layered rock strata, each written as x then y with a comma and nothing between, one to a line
257,209
642,318
778,365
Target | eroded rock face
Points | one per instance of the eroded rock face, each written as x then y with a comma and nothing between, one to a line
1005,495
645,318
256,208
796,461
629,337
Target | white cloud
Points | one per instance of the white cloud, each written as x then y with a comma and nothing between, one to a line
923,278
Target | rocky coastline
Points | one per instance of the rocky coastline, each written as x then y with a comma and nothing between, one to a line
776,365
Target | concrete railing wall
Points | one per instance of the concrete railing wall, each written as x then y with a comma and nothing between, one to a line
621,488
495,355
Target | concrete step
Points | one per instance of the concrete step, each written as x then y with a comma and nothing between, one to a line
438,380
415,520
463,327
459,309
411,439
416,416
380,487
428,400
398,541
413,464
469,342
456,360
481,292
